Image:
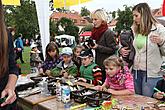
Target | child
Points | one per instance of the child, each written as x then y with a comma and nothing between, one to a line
66,67
76,53
35,60
119,80
161,87
52,59
89,71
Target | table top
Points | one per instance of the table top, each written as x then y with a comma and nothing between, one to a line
131,101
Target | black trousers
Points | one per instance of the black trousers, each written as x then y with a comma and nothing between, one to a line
19,56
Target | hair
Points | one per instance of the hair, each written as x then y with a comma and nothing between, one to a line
78,46
52,47
3,43
100,14
147,19
114,60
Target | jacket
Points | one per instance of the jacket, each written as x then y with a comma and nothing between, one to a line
106,47
154,53
71,69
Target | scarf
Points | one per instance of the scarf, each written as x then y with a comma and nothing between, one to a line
98,32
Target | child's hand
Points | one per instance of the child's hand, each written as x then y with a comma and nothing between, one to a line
99,88
65,74
62,72
159,95
82,79
48,73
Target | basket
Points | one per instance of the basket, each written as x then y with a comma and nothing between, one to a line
96,100
81,95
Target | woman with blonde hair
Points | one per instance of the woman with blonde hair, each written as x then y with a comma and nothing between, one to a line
105,44
149,44
8,69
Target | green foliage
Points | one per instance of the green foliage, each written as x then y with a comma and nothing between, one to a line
85,11
53,28
87,28
125,19
68,26
114,14
23,17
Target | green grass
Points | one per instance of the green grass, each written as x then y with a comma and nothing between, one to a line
25,68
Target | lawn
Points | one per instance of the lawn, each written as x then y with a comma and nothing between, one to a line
25,68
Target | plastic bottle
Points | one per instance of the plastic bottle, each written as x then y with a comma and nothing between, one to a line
44,87
65,94
58,91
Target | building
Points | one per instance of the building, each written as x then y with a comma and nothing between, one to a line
77,19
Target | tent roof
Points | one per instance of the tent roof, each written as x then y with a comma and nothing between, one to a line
87,33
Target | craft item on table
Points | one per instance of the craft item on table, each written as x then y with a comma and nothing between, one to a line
77,107
158,90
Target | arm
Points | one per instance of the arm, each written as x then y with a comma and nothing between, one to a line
55,71
110,45
97,75
9,90
120,92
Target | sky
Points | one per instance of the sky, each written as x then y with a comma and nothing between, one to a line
114,5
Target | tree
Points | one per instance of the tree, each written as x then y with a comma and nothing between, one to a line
68,26
125,19
85,11
24,18
53,28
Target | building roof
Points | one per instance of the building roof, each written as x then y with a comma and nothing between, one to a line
77,19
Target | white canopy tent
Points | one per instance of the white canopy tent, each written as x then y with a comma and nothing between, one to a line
42,7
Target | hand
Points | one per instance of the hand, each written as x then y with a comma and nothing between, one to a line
159,95
124,51
11,96
99,88
110,91
65,74
94,47
48,72
62,71
156,39
82,79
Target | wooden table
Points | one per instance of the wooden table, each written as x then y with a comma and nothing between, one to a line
30,102
40,102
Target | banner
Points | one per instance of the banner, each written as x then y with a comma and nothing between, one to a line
11,2
42,7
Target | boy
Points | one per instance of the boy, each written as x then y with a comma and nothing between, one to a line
89,71
66,67
159,92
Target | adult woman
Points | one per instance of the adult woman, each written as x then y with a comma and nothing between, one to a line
149,45
8,70
105,43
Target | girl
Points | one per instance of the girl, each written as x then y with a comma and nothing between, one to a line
149,44
8,69
76,53
119,80
52,59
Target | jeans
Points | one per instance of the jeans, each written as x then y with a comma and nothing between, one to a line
142,85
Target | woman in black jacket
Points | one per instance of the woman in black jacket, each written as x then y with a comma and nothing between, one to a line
105,43
8,69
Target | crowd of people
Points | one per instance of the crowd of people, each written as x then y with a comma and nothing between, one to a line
98,63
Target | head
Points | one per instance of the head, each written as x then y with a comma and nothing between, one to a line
143,19
67,54
34,47
52,51
3,43
86,57
112,65
77,50
12,30
99,17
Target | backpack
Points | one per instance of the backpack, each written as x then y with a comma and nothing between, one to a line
126,40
